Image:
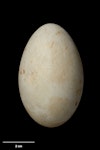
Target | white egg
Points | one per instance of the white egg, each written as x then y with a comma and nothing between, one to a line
50,76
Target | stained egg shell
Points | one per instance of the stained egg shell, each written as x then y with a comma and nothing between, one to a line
50,76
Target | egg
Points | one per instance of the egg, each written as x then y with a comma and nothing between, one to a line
50,76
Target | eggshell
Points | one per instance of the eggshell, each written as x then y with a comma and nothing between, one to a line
50,76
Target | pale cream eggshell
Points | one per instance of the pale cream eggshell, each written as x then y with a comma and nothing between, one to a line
50,76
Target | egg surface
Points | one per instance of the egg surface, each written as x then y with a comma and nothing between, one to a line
50,76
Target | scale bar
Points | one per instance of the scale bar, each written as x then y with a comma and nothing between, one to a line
18,141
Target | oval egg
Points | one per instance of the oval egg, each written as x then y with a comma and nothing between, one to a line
50,76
